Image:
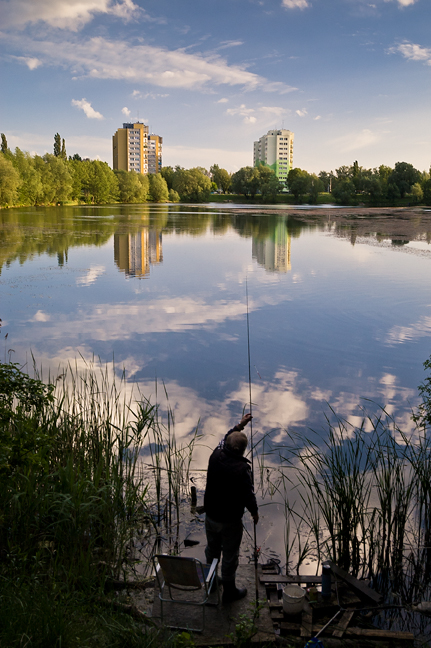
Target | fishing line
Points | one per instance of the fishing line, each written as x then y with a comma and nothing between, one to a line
251,444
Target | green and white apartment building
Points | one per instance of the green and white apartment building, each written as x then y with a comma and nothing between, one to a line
275,149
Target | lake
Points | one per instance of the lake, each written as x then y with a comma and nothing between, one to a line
337,312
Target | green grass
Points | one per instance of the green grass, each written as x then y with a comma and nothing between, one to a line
72,495
363,501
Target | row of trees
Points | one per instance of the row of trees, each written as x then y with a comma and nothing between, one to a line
349,184
354,183
55,178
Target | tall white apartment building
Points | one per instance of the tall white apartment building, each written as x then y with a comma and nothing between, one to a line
275,149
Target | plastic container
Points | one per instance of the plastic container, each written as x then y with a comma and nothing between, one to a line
293,599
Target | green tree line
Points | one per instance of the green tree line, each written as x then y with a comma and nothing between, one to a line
54,178
348,185
353,184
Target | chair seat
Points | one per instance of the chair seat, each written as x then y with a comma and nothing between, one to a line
185,581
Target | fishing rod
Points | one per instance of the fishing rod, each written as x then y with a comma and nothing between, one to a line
251,443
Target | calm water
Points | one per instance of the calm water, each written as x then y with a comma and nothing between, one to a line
336,314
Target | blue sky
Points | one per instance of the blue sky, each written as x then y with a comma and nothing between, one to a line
351,78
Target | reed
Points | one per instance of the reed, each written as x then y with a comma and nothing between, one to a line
364,498
169,469
72,494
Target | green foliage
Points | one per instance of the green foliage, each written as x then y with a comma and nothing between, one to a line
192,184
56,179
133,187
100,184
221,177
326,179
299,183
366,495
269,184
417,192
31,188
246,181
36,616
184,640
57,145
426,187
344,191
316,186
71,497
168,174
158,188
4,147
9,182
393,192
174,196
246,628
23,439
423,416
404,177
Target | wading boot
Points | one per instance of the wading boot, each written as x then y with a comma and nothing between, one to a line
232,593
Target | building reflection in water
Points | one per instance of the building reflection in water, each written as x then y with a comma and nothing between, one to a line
273,252
135,253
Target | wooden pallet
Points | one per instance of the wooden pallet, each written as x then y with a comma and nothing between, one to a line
348,593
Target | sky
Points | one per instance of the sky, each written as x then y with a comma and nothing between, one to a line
350,78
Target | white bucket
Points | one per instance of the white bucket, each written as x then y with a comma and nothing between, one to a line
293,599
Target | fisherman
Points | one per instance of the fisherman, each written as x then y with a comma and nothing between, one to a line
228,491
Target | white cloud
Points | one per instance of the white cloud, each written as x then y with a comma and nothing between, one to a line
223,100
252,115
401,334
64,14
101,58
404,3
272,110
243,111
230,43
31,63
295,4
93,273
161,315
125,111
88,109
279,406
356,140
40,316
413,52
317,117
301,113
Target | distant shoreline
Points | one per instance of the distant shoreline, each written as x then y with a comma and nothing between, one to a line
337,213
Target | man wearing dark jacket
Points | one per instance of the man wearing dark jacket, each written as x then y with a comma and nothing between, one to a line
228,491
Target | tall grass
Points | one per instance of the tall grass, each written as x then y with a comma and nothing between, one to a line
72,494
364,498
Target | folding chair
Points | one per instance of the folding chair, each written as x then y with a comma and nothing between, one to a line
185,575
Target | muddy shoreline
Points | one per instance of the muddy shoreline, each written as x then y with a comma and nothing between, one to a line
401,224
